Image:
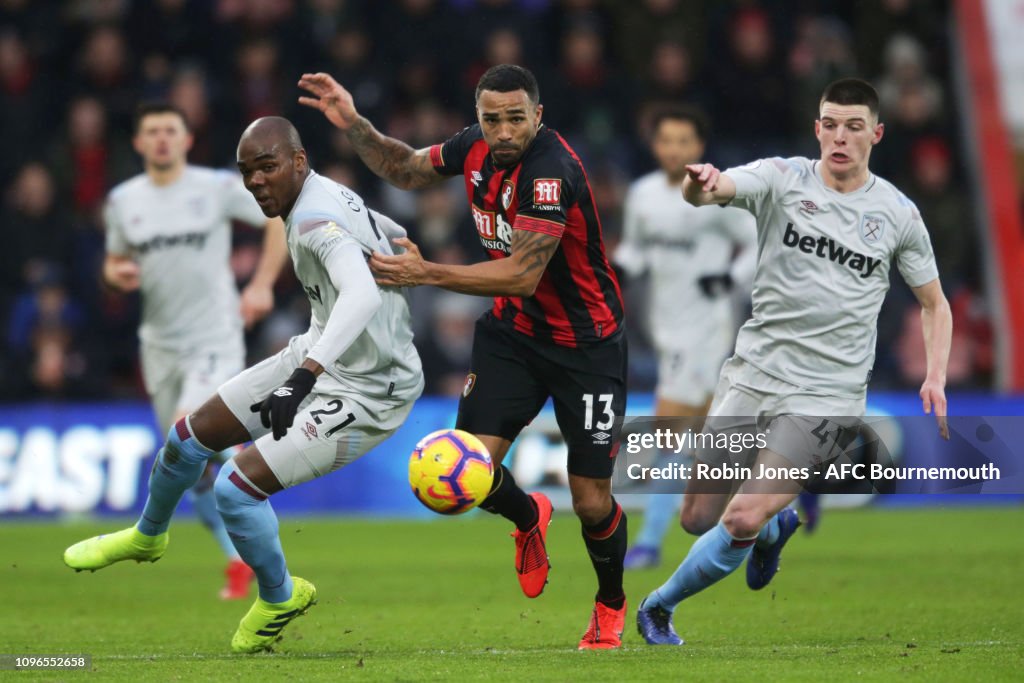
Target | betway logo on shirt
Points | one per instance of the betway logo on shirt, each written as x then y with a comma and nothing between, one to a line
188,239
827,248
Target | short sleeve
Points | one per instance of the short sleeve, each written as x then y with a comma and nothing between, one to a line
239,203
545,191
449,157
915,258
116,241
755,183
323,236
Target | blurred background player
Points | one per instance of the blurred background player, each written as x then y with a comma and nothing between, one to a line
694,256
349,382
168,235
556,329
828,230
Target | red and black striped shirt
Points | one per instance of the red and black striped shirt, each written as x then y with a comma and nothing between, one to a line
578,300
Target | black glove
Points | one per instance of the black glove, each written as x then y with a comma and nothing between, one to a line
714,286
278,410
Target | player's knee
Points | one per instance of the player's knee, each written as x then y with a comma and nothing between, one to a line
743,521
231,492
695,521
592,509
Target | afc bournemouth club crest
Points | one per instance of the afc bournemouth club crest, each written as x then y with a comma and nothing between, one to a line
507,190
470,383
872,228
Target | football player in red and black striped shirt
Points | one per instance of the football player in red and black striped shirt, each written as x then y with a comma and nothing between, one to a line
556,328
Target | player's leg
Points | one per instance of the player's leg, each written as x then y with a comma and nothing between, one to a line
663,502
719,552
331,430
202,373
733,409
178,466
587,405
501,396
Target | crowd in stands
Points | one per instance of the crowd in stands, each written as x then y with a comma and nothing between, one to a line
72,72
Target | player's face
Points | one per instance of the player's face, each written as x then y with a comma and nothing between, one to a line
162,140
273,173
509,123
675,145
847,132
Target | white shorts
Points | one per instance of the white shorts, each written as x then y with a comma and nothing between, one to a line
334,425
178,382
689,376
801,425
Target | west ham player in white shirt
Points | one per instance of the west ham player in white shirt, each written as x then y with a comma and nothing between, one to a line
346,385
694,256
169,236
828,230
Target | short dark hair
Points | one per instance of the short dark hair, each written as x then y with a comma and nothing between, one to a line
145,109
851,91
686,114
509,78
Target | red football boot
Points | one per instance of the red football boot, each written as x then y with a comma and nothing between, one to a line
531,550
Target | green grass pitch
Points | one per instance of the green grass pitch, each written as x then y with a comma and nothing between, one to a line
874,595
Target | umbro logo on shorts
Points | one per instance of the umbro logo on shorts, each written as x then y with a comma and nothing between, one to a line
827,248
283,391
601,438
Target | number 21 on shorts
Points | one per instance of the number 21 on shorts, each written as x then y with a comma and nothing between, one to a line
605,401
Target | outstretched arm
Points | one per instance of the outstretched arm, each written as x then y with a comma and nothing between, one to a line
517,275
391,159
937,327
705,184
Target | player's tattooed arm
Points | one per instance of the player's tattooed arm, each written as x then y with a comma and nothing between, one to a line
392,159
517,275
531,251
389,158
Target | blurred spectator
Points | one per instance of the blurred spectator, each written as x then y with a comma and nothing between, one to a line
104,67
670,80
821,53
642,24
23,95
42,336
37,229
879,20
182,29
88,160
944,210
446,351
586,97
753,94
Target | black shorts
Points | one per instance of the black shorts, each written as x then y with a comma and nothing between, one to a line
512,376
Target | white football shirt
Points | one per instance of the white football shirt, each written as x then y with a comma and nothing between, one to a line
377,359
180,235
823,271
677,243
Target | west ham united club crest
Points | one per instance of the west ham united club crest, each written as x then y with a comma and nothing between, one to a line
872,228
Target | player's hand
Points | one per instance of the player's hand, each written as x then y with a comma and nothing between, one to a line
401,270
277,411
714,286
330,98
257,301
123,275
704,177
933,397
